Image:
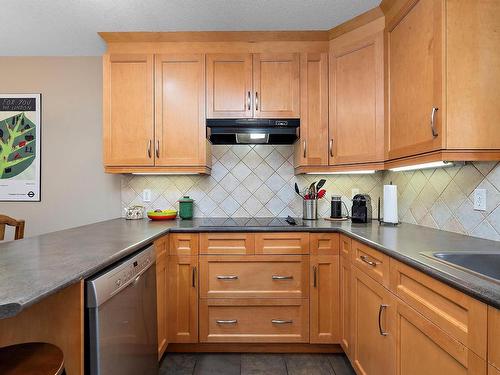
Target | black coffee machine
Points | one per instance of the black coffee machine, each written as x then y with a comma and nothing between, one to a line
361,208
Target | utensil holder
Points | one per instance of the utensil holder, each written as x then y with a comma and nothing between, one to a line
310,209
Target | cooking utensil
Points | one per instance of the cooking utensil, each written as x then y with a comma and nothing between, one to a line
321,193
320,184
298,191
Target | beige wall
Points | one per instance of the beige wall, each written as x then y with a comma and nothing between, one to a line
75,190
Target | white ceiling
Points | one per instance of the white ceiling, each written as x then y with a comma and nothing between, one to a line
69,27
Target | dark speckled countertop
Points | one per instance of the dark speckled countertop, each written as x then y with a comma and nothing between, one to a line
33,268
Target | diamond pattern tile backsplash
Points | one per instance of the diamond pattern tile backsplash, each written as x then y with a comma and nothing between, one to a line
257,181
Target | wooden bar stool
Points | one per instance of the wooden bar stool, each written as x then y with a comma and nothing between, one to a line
34,358
18,224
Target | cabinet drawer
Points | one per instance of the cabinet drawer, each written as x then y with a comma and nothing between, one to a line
227,243
457,314
247,320
184,244
282,243
324,243
345,246
252,276
371,261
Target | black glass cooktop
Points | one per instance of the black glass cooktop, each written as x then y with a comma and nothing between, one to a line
249,222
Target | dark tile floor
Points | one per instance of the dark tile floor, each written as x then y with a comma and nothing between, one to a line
255,364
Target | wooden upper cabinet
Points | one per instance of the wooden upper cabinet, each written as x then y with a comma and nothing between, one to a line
180,110
357,96
128,110
415,65
312,147
229,86
276,85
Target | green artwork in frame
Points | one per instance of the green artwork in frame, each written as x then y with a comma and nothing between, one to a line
20,162
17,145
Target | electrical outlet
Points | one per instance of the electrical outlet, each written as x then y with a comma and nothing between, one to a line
480,199
146,195
354,192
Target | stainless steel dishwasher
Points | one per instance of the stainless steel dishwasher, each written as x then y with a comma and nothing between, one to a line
121,318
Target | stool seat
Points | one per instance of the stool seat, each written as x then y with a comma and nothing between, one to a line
35,358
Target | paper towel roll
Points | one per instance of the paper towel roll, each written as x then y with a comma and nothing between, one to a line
390,204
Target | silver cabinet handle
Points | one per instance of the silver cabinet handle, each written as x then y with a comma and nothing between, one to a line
280,321
248,101
149,148
231,321
277,277
367,260
433,122
256,101
193,281
315,279
305,148
227,277
380,310
157,148
330,147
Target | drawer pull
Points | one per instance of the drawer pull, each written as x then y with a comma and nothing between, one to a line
315,278
227,277
280,321
231,321
367,260
277,277
382,332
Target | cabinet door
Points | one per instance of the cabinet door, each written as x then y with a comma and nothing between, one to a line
276,85
494,336
357,100
229,86
423,348
161,250
313,143
345,305
128,110
180,110
183,299
415,79
372,345
324,299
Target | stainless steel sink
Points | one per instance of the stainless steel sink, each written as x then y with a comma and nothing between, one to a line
485,264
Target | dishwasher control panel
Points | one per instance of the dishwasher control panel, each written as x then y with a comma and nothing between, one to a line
103,287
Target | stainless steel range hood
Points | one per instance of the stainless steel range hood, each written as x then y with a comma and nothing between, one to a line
253,131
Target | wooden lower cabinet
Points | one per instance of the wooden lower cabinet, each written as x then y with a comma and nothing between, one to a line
494,337
183,299
161,249
372,341
324,299
254,320
493,370
423,348
345,305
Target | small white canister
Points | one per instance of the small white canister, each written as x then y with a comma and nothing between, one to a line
134,213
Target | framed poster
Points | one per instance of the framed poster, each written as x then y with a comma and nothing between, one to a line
20,130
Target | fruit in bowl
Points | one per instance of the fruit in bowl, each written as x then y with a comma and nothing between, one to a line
162,214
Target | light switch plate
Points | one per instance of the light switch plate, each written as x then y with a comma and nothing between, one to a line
146,195
480,199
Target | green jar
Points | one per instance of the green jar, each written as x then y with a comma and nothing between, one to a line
186,207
